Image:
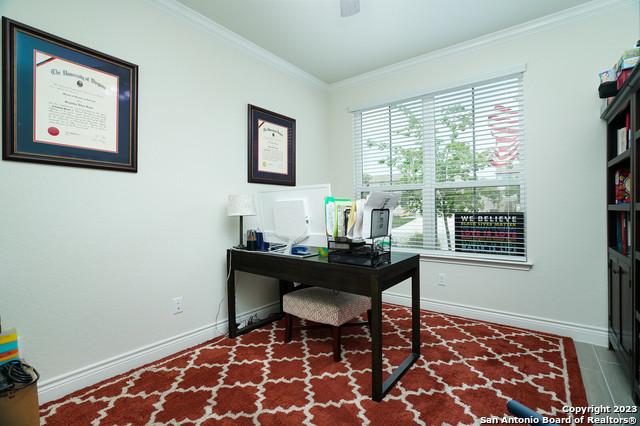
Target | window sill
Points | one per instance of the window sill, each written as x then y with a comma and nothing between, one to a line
460,259
474,261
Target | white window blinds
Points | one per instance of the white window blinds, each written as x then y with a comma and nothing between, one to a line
457,158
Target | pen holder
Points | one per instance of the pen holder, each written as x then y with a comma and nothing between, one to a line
260,241
251,240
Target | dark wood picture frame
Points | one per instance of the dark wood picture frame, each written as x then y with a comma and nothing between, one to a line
255,175
19,136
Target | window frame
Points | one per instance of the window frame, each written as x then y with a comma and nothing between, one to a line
430,185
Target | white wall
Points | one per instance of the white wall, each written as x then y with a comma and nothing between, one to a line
565,150
90,259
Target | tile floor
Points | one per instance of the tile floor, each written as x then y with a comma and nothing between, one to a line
604,378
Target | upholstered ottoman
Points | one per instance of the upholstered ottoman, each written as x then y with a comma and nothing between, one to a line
323,306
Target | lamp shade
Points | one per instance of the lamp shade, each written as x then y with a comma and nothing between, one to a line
241,205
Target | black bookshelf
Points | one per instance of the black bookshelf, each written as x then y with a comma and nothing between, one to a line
624,207
624,256
623,158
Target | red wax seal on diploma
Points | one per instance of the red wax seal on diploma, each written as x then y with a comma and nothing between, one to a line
53,131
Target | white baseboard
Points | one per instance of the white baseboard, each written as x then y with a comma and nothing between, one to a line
578,332
59,386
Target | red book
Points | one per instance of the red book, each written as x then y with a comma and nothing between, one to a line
622,78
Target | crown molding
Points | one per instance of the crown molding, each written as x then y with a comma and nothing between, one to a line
253,49
529,27
433,89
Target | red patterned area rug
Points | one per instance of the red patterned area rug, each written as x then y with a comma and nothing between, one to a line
468,370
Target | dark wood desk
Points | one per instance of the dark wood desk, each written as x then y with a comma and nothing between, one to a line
317,271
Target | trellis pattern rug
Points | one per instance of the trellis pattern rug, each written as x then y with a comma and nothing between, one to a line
468,370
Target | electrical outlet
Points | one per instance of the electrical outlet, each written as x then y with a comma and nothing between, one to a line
442,279
177,305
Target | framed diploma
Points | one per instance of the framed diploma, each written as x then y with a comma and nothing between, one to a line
66,104
272,147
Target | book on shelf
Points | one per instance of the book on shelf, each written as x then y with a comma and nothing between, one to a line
621,141
623,222
623,234
622,185
622,77
627,125
618,245
624,136
628,243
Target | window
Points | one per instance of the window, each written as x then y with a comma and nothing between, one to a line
457,159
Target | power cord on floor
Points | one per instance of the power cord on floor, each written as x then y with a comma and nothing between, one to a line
253,318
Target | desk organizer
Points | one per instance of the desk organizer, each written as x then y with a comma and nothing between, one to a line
373,252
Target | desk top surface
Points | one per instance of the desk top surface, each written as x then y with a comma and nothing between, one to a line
396,257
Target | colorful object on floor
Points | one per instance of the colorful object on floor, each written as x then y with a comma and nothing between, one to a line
8,346
523,412
468,370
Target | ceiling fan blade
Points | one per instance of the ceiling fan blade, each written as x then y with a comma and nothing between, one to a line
349,7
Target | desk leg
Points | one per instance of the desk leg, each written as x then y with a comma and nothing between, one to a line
376,341
285,287
415,311
379,389
231,297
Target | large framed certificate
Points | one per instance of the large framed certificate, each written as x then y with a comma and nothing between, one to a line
66,104
272,147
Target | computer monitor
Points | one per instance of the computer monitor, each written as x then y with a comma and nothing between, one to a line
294,215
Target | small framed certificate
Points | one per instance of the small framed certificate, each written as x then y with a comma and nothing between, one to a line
272,147
66,104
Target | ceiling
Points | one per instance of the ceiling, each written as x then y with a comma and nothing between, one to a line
311,34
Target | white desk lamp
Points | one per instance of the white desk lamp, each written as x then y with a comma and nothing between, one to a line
241,205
